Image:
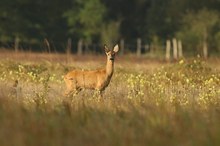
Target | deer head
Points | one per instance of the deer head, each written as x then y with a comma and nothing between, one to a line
111,53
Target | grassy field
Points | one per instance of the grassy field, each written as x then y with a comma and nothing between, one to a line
148,102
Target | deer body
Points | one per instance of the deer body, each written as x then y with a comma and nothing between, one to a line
95,79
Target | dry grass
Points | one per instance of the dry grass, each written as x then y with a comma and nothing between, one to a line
148,102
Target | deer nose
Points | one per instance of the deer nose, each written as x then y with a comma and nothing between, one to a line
112,58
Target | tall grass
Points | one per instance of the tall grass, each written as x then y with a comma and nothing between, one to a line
177,104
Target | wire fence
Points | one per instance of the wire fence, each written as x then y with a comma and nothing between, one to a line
170,50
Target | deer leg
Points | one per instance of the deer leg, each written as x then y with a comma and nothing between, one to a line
101,94
69,95
76,91
67,91
72,91
98,93
95,93
71,88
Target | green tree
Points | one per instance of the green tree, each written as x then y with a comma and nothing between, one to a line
85,18
32,21
217,40
197,29
110,33
11,20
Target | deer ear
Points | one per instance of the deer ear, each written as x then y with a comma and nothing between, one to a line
106,48
116,48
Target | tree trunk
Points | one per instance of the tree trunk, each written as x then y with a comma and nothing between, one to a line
80,47
205,50
138,47
68,49
175,55
17,44
168,47
180,49
205,46
122,45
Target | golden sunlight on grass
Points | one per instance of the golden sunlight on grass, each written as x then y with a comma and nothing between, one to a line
174,104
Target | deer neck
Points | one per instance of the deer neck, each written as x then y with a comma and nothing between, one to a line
109,67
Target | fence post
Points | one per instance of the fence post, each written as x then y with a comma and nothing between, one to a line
168,48
205,50
180,49
122,45
80,47
17,40
68,49
138,47
175,49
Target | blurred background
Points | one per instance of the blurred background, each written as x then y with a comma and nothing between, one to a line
177,27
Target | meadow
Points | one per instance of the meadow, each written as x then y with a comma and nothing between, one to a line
148,102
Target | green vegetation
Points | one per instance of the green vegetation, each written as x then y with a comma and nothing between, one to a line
177,104
104,21
198,30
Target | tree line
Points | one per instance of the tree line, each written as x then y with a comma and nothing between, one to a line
195,22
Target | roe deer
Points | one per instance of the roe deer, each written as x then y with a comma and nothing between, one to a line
99,79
